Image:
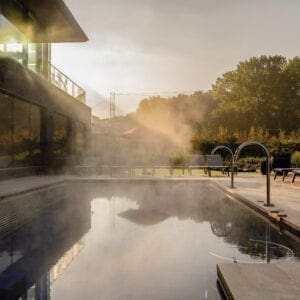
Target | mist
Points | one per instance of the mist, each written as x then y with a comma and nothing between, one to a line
161,128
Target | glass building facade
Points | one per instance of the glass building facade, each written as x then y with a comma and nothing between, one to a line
60,134
80,139
20,43
14,43
20,132
38,122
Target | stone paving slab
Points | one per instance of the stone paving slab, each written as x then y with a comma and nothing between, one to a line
260,281
285,196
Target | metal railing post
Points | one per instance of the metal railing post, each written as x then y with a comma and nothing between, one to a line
236,155
66,84
232,161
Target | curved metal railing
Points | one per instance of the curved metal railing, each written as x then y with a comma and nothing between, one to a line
232,161
247,144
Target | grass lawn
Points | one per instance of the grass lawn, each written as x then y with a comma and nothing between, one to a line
178,172
199,172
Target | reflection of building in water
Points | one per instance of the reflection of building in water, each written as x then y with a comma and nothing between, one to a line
40,290
66,260
33,256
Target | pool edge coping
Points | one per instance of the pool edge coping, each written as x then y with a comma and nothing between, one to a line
282,222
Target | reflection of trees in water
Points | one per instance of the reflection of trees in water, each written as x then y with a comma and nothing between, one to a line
144,217
221,230
200,202
252,235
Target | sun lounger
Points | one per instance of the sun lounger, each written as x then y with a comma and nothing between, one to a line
284,172
162,162
215,162
118,163
296,172
141,165
197,161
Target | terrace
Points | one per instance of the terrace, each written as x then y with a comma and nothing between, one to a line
66,84
44,117
122,208
33,50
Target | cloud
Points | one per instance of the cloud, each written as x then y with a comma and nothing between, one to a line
139,45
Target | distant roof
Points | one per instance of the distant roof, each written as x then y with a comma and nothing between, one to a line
55,16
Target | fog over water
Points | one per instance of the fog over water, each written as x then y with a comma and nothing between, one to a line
143,240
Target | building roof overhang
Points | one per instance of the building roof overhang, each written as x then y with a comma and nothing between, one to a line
57,21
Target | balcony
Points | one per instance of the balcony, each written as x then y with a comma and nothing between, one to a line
36,57
66,84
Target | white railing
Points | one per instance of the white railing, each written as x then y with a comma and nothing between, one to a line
63,82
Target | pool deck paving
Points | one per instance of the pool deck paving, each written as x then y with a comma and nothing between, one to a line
260,281
252,191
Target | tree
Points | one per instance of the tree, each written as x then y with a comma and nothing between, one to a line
176,116
263,92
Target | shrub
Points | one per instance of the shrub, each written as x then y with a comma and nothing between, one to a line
295,159
250,160
179,160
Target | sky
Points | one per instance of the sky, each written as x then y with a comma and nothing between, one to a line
138,46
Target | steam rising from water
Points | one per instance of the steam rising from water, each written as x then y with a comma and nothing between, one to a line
160,127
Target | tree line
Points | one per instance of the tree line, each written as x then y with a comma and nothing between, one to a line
258,100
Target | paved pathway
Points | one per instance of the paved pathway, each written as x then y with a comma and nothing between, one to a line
284,195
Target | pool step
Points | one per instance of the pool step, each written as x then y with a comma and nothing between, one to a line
276,213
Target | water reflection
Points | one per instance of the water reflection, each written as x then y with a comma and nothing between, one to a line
201,202
144,217
155,240
33,257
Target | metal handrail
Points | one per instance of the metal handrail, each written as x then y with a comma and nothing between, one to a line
66,84
232,161
236,156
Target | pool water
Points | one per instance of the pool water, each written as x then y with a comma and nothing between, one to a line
142,240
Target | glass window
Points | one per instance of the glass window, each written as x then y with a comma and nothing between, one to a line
12,40
21,133
5,131
80,138
35,135
32,57
15,44
60,141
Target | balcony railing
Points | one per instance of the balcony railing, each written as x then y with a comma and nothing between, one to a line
66,84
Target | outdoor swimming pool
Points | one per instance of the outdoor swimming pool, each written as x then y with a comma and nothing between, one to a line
129,240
